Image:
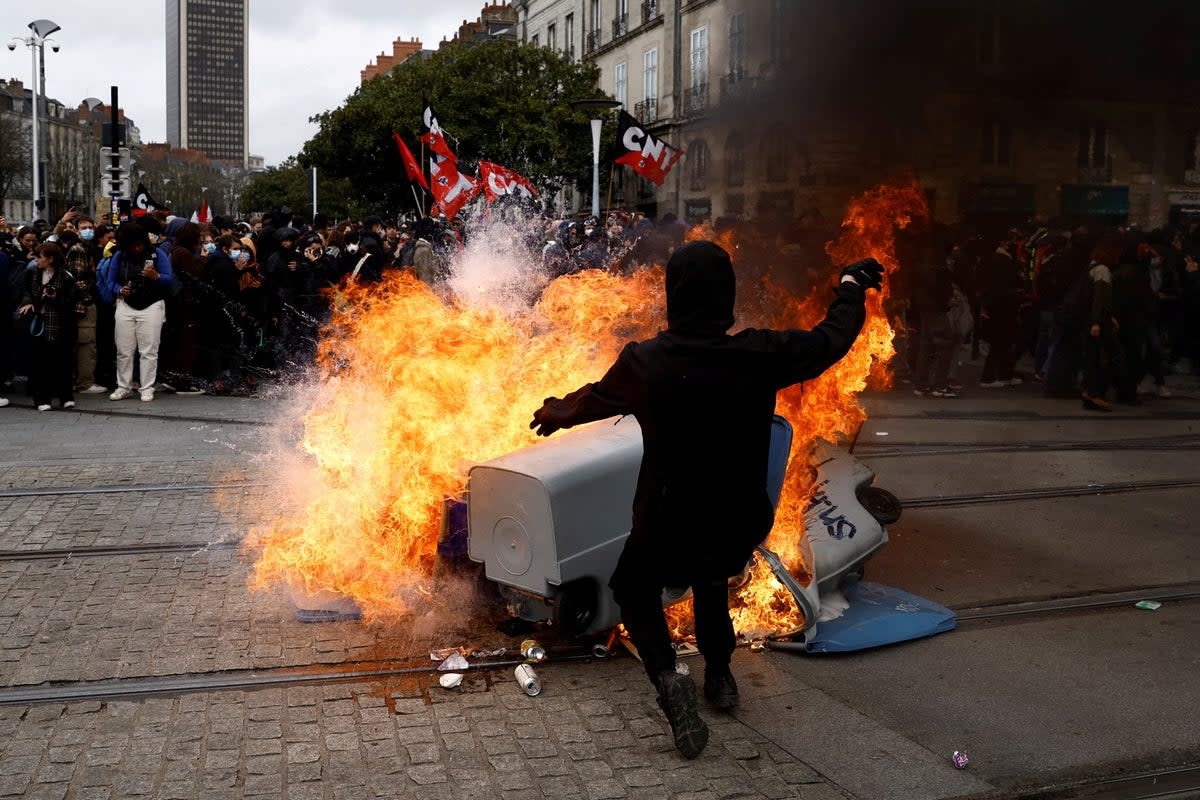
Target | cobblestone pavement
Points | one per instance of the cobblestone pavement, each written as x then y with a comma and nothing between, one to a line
594,732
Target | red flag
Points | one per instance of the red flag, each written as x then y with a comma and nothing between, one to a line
431,133
411,167
651,158
450,188
498,181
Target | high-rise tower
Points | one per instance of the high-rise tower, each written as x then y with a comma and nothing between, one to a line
207,95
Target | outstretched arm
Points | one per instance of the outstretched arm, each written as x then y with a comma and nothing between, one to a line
585,404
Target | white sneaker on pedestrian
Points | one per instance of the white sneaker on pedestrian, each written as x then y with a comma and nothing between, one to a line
1163,391
44,407
993,384
1015,381
95,388
121,394
3,402
69,404
147,395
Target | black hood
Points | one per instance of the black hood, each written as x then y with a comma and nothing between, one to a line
700,290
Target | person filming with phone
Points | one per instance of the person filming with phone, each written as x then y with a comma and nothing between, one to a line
139,281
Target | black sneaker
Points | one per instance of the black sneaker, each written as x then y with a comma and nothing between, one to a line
720,688
677,699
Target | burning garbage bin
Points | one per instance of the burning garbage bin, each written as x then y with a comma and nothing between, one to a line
549,521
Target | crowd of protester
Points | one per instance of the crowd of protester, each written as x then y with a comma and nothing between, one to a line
1098,311
164,304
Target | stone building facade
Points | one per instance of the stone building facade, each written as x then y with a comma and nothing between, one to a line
1003,111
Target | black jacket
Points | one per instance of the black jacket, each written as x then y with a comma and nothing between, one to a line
705,402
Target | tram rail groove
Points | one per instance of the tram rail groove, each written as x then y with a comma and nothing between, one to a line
1168,783
984,498
101,551
1117,598
938,501
903,449
241,680
132,488
145,686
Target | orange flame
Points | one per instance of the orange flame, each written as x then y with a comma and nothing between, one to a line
414,389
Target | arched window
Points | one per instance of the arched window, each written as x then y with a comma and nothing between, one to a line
697,154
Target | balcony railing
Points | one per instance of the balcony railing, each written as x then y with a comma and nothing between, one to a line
650,11
695,99
620,26
647,110
591,41
737,84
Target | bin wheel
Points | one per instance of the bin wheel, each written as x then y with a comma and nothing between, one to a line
575,606
880,503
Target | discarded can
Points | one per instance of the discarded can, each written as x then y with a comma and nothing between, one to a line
528,680
532,651
960,759
1148,605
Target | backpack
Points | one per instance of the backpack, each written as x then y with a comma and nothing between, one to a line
104,280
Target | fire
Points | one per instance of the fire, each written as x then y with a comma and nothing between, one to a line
413,389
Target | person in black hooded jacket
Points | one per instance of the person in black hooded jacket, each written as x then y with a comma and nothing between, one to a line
705,402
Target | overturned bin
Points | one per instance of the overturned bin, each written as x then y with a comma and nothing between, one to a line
548,522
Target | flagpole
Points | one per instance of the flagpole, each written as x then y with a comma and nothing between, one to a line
415,200
612,168
421,206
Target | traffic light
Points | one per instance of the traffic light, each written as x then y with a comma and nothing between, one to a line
118,182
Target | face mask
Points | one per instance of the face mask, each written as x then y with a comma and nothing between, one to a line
235,254
87,234
351,248
210,248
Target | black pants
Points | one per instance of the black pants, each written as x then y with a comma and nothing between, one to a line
935,352
638,585
51,371
106,345
1003,334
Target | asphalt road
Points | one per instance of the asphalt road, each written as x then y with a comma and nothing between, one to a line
135,660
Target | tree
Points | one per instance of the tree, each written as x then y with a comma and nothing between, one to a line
290,184
496,100
14,155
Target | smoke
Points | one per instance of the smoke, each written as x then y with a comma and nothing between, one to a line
498,268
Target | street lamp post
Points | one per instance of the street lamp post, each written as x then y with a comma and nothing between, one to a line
595,105
36,42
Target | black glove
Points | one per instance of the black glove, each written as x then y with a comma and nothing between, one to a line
867,273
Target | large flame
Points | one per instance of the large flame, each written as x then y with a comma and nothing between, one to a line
414,388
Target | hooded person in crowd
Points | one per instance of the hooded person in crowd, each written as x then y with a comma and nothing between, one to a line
705,402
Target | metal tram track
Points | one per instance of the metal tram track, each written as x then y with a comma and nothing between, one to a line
140,687
130,488
1166,783
876,450
938,501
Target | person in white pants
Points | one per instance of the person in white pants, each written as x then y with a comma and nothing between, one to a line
139,279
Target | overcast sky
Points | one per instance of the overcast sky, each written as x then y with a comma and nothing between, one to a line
305,56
